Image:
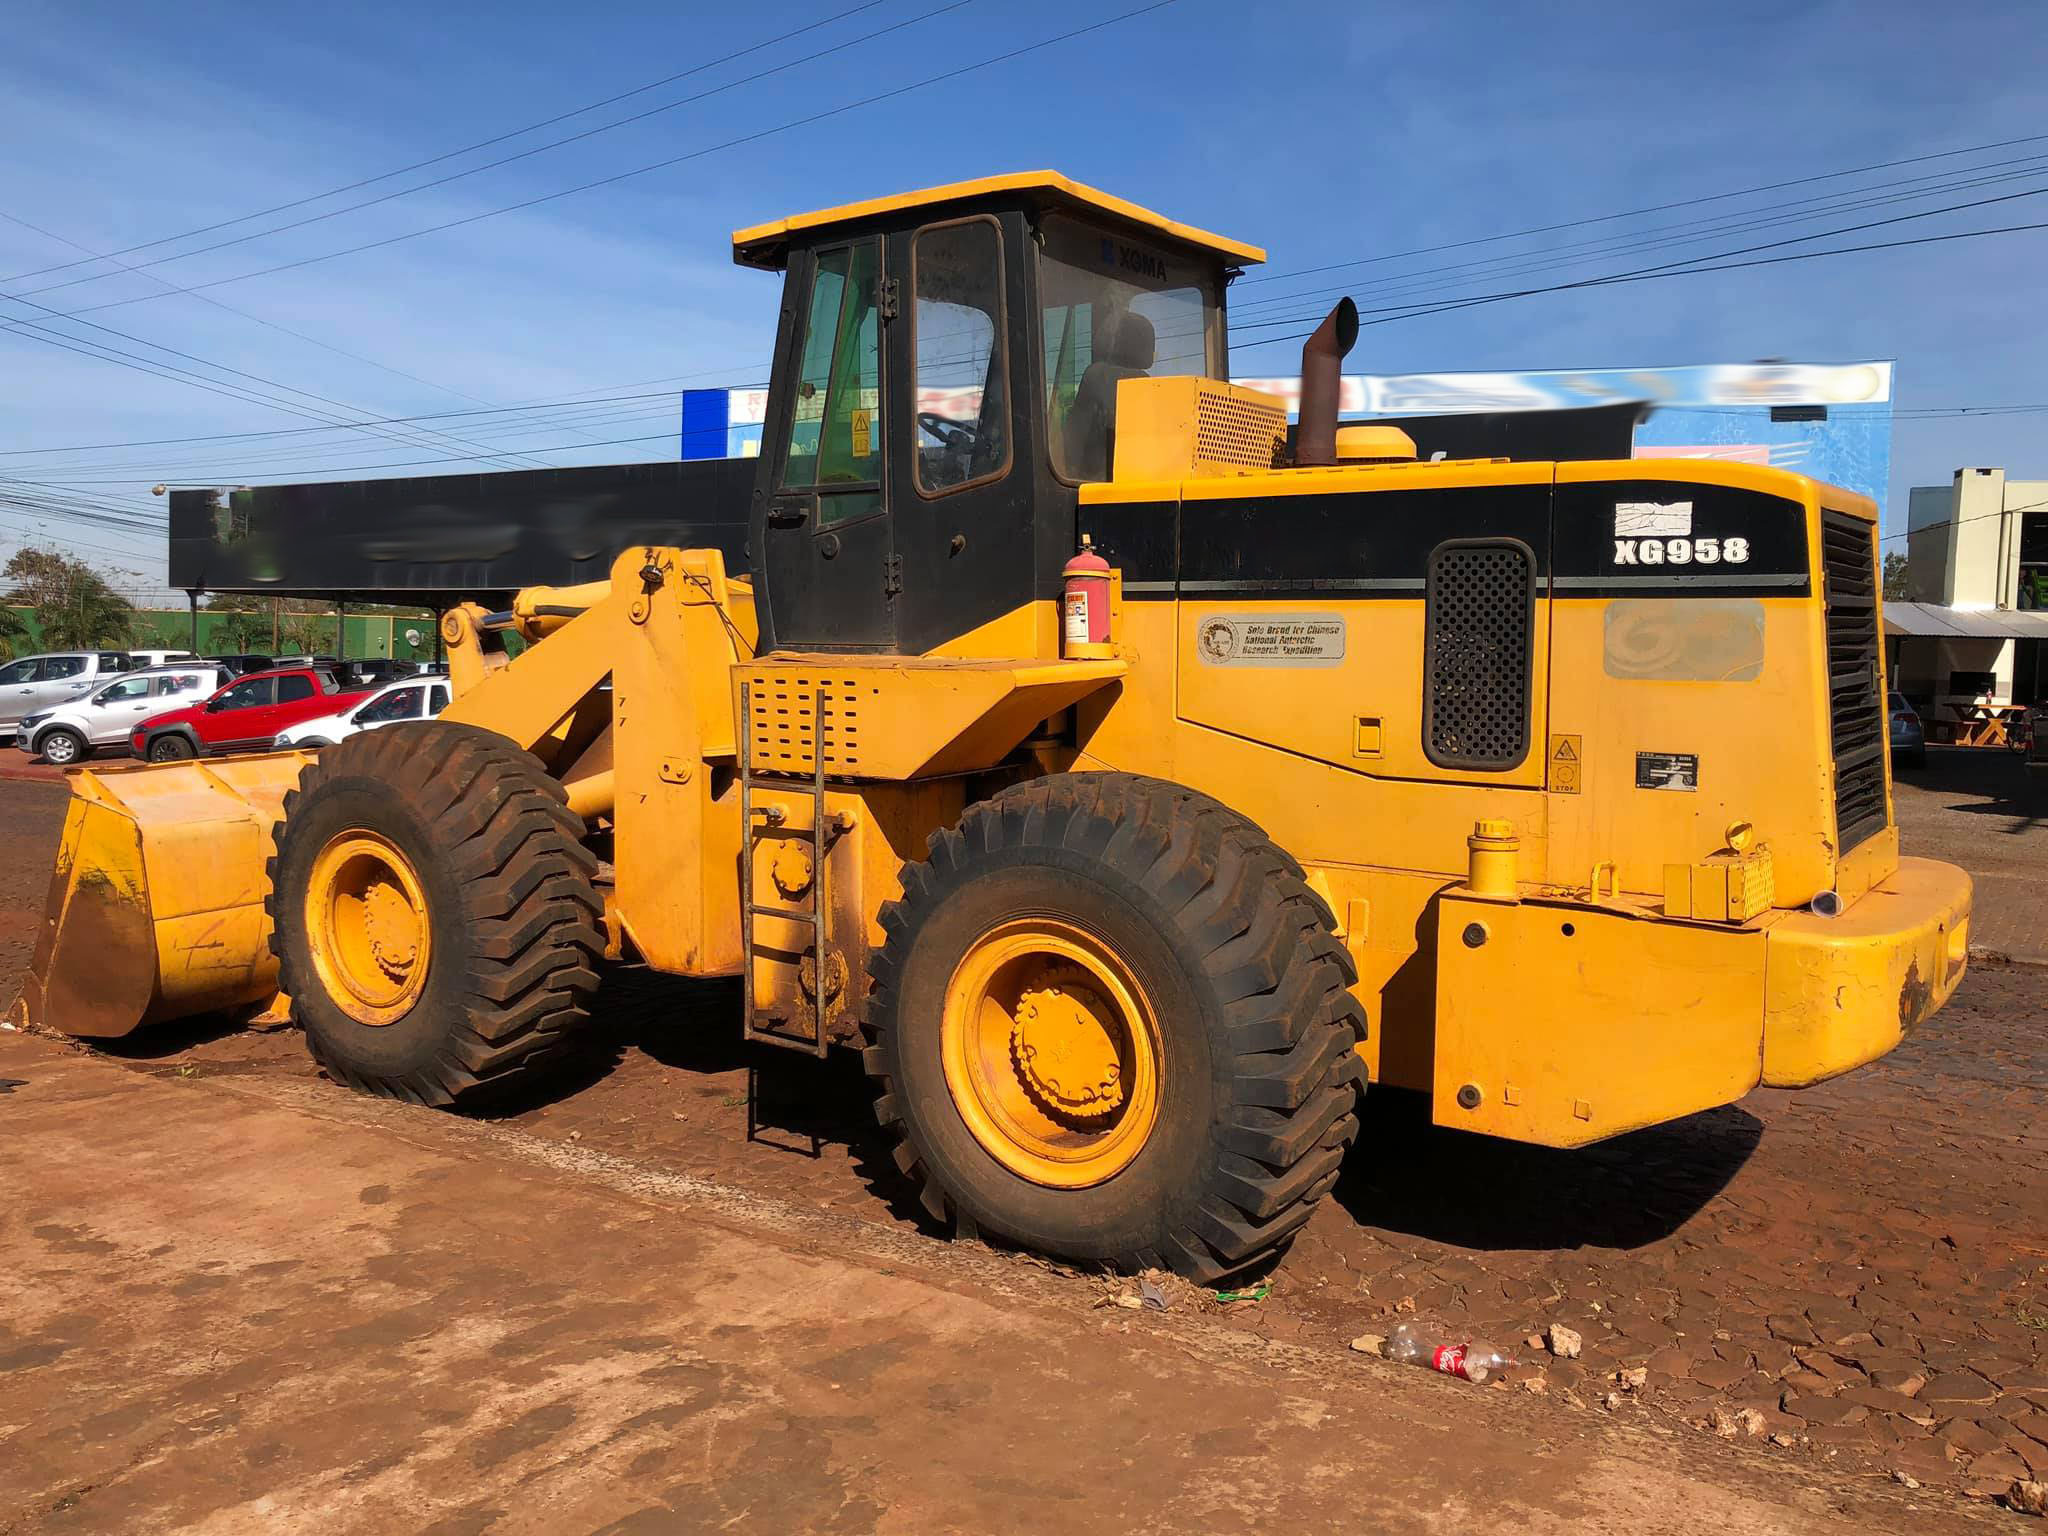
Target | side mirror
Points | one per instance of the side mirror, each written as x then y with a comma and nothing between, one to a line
213,705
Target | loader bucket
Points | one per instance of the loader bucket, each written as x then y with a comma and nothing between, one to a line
156,906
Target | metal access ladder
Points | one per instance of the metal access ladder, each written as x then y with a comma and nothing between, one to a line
814,919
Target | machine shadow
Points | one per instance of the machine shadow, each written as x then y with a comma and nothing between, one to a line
801,1104
170,1037
1486,1194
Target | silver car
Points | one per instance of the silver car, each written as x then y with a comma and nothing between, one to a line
37,682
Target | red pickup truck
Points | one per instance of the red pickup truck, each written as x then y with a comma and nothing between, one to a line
245,716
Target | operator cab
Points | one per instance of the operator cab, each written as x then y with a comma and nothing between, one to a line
945,375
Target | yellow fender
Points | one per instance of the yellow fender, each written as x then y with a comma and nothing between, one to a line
156,904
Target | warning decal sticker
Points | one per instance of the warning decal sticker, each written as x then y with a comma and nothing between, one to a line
1567,756
1270,640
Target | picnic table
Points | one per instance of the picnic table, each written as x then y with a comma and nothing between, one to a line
1984,725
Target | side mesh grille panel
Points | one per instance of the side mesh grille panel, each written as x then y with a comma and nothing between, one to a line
1477,654
1233,430
1855,711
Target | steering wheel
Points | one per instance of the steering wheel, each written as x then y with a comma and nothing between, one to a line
949,430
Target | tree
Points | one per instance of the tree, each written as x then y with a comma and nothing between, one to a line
300,636
1894,575
238,632
75,607
13,629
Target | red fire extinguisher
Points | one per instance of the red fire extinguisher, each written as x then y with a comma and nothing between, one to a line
1084,600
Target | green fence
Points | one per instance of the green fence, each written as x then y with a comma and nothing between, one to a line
406,637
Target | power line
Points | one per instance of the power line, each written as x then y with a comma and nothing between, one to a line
1690,202
758,135
1691,266
524,154
1553,258
417,165
222,304
37,331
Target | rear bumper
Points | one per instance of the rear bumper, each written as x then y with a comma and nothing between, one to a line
1841,991
1561,1023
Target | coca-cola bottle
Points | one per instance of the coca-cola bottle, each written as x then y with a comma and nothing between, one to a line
1474,1360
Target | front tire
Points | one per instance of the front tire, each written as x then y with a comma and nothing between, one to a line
170,749
61,747
1112,1024
435,923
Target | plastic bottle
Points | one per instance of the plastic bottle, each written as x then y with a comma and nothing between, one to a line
1474,1360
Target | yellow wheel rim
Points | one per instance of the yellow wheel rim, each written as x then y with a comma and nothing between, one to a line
366,920
1052,1053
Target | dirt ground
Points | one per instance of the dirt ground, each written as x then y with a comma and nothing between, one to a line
1864,1264
246,1306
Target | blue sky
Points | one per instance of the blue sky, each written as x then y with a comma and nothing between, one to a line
1327,132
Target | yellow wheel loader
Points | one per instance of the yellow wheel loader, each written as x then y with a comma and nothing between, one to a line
1555,790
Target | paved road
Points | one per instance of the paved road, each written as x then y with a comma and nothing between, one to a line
246,1308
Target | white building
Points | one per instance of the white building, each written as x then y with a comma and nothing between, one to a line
1971,627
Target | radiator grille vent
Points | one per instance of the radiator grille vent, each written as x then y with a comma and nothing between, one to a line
1477,653
1855,709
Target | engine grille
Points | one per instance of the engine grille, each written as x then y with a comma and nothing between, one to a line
1477,652
1855,709
1237,427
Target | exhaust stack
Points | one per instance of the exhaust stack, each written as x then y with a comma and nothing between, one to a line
1322,360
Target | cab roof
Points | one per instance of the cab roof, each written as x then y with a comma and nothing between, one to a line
767,245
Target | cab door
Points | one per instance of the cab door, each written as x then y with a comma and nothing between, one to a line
826,551
962,514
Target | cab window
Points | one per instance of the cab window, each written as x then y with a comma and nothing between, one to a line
835,429
1113,308
440,698
56,668
18,672
399,704
127,688
113,661
249,695
961,387
292,689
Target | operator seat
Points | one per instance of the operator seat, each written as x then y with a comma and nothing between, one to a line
1127,351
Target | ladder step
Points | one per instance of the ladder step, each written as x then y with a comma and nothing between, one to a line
789,913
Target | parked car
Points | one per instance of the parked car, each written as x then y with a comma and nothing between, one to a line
1909,739
368,671
36,682
239,665
244,716
104,716
417,698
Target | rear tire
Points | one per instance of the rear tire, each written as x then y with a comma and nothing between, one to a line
485,891
170,749
1245,988
62,747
